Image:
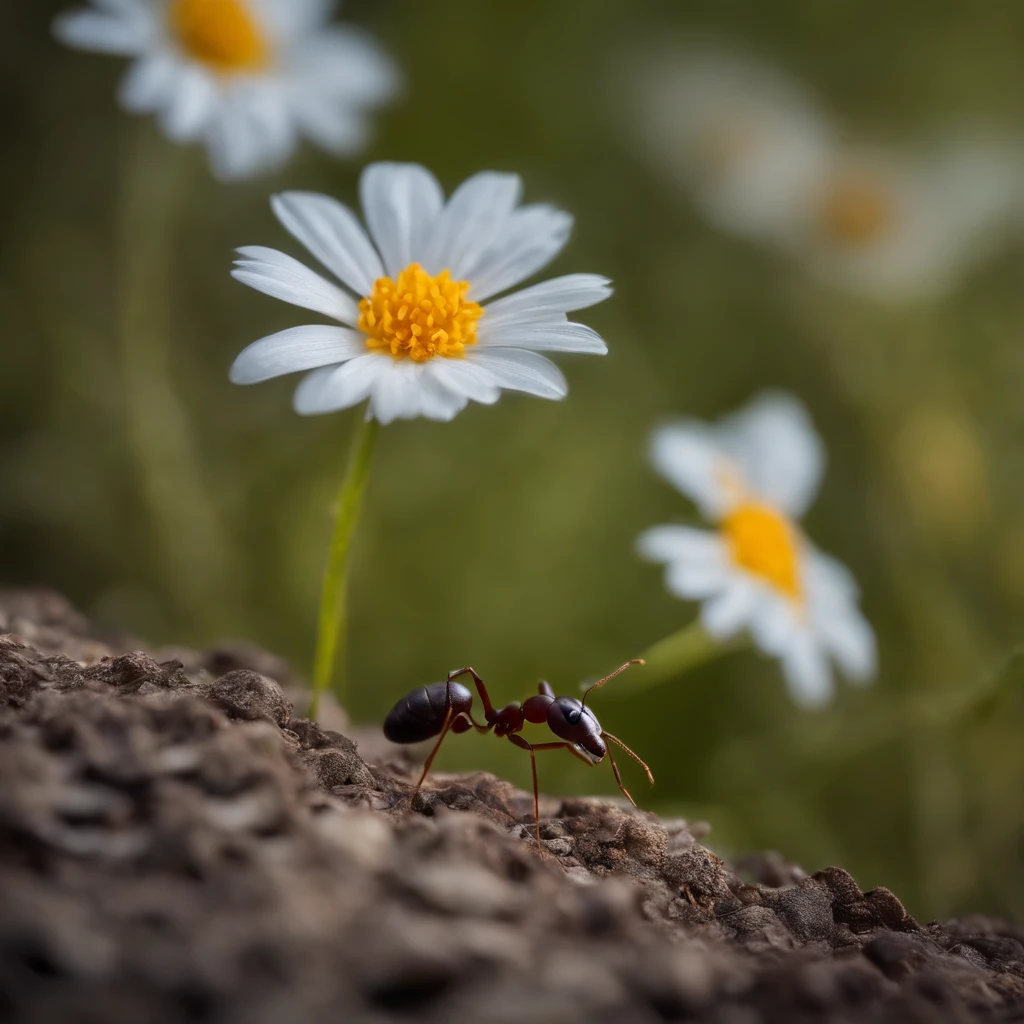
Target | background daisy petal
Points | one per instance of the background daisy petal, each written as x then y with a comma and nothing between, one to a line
688,456
832,597
780,455
189,108
696,580
727,613
807,673
235,143
117,32
147,84
344,63
669,543
331,232
337,129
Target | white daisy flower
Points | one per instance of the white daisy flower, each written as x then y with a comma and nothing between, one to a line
244,77
420,336
740,136
754,475
896,228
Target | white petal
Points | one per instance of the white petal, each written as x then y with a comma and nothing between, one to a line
190,106
851,642
335,128
830,578
332,388
725,615
114,33
282,277
401,203
464,378
547,337
559,295
529,239
697,580
439,402
148,83
845,633
475,214
290,20
409,389
669,543
687,455
235,142
773,623
333,235
519,370
298,348
267,108
346,66
807,672
777,450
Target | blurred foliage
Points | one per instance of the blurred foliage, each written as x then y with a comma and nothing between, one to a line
504,539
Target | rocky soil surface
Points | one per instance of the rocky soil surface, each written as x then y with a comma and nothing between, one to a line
176,846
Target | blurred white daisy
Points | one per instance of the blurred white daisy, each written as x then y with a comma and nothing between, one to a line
740,136
244,77
420,337
893,227
757,154
753,475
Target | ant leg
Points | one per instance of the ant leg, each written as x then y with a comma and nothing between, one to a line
544,689
449,720
618,779
480,688
526,745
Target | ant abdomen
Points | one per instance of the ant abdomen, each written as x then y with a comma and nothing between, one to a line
421,713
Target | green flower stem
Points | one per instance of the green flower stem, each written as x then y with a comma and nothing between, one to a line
679,653
332,621
187,534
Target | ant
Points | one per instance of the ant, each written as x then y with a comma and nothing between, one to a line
444,707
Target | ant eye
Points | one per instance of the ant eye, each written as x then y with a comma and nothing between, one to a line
574,715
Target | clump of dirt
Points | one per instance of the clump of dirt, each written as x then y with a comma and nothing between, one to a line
176,846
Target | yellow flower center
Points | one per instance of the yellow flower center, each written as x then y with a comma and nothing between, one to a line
857,211
418,316
220,33
764,543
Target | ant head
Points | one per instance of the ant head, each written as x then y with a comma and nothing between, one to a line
570,720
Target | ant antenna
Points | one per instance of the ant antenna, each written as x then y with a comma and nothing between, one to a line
639,760
612,675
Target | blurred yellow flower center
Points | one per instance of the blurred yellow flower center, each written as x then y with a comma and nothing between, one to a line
856,211
418,316
764,543
220,33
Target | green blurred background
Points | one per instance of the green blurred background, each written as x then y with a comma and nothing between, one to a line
505,539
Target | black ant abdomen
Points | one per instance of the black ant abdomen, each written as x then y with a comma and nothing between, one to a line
421,713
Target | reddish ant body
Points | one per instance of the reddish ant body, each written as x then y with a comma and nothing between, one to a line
444,707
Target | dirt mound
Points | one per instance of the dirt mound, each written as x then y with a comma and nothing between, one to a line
176,846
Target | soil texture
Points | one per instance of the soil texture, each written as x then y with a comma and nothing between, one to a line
176,845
